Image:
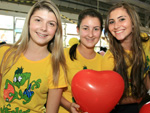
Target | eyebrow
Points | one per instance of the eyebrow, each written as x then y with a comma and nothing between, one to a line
42,18
121,17
118,17
88,26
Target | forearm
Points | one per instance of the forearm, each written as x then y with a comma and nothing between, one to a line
65,104
147,81
130,100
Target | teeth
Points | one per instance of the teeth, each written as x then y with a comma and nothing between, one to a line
42,35
90,39
118,31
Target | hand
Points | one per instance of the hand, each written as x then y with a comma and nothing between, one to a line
75,108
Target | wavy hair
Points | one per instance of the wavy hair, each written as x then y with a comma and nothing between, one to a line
55,46
136,60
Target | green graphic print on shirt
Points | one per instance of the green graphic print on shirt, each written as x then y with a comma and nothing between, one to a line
147,66
10,94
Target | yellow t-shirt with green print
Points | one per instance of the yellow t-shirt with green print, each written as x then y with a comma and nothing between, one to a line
25,87
146,47
108,60
76,66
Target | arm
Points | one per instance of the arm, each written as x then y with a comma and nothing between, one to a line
71,107
147,81
53,101
129,100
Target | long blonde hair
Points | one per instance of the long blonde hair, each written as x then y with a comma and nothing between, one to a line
55,46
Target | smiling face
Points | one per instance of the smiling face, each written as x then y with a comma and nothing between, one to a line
89,31
120,25
43,25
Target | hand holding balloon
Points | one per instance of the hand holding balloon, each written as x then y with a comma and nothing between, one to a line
97,91
75,108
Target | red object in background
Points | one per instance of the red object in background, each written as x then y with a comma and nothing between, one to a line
97,91
145,108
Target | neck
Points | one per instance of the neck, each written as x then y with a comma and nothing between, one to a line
87,53
35,52
126,46
126,43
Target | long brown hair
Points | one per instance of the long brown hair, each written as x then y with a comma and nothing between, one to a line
136,60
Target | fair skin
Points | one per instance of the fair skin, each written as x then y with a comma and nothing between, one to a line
43,25
89,32
53,101
120,26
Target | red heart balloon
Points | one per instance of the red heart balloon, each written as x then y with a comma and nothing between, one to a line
145,108
97,91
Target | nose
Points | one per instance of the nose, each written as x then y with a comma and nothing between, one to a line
43,26
91,33
116,25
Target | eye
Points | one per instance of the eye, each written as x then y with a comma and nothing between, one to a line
85,28
52,24
37,20
122,19
111,22
97,28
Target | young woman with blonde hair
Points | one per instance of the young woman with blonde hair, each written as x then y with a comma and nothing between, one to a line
33,69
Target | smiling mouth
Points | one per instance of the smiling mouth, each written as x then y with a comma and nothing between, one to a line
90,39
119,31
41,35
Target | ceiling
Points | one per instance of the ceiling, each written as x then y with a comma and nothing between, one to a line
75,6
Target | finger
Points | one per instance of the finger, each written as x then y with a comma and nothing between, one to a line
75,105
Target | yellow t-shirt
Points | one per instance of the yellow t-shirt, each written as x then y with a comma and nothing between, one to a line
146,47
24,88
76,66
108,59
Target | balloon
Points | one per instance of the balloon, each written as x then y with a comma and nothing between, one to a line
145,108
97,91
73,41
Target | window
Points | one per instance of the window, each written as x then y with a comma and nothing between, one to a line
6,28
19,23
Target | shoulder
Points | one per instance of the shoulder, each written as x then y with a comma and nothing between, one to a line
108,54
146,47
108,61
146,44
66,52
99,56
3,48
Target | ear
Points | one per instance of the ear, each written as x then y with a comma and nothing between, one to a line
78,30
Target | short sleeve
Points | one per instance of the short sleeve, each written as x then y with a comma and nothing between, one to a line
108,61
3,49
62,81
